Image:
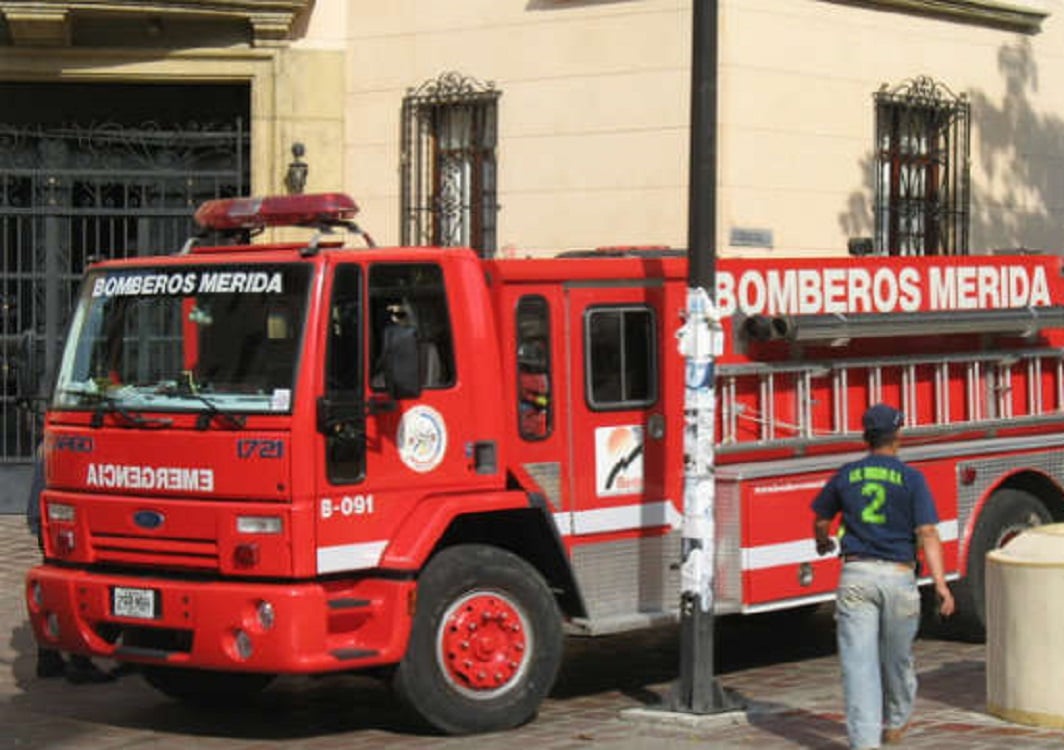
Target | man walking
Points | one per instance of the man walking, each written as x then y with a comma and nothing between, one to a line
887,512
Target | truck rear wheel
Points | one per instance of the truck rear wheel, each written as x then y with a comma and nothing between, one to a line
206,688
1007,513
486,642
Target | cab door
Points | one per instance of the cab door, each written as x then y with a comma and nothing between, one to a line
623,514
381,456
347,513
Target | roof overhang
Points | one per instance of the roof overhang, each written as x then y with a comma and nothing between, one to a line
48,22
1025,16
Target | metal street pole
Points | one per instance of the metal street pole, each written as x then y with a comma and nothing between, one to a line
700,340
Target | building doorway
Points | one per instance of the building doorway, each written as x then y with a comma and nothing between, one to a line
91,171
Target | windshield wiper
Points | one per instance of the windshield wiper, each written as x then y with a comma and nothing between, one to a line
203,421
108,404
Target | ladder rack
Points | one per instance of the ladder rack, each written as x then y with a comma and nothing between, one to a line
786,404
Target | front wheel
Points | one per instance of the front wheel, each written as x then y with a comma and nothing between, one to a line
1007,513
485,645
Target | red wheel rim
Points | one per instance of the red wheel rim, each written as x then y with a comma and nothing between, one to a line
484,644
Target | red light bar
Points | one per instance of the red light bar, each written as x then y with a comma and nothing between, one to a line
229,214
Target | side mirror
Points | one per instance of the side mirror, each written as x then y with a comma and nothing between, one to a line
402,375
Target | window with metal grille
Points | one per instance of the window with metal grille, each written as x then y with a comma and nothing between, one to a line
449,132
922,169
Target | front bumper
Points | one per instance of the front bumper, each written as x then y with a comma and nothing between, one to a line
316,626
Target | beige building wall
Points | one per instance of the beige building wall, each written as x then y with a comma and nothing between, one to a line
311,106
798,119
593,115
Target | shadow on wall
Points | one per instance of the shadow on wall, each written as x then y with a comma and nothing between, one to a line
555,5
1019,150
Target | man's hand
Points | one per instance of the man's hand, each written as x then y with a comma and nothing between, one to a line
825,542
928,536
946,605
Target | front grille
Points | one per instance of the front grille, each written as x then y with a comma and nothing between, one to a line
137,638
155,551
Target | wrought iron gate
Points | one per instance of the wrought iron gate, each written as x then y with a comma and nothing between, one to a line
72,194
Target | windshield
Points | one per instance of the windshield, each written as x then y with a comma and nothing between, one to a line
188,338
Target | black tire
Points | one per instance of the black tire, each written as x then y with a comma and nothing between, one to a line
495,677
1007,513
206,688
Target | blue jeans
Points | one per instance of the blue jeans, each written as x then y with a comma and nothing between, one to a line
877,610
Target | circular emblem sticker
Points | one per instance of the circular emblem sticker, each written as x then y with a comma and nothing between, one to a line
422,438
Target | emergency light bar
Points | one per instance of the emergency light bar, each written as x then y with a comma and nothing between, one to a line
253,214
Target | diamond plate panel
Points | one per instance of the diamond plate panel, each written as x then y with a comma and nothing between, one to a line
548,475
642,575
629,576
989,471
729,584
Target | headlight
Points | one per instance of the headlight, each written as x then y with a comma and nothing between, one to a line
60,512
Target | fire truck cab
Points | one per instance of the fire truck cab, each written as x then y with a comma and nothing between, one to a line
300,457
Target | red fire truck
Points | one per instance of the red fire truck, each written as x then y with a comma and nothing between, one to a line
301,457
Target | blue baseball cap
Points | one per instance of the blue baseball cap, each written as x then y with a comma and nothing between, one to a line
882,419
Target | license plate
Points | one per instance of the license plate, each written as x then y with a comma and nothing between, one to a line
139,603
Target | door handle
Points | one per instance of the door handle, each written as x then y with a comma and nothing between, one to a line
656,426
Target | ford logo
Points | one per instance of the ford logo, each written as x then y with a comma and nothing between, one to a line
148,519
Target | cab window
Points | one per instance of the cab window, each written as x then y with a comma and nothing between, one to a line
412,294
619,357
534,397
345,453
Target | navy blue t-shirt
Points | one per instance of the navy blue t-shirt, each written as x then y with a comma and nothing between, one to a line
882,501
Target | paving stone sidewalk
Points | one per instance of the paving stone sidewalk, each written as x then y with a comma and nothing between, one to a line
786,670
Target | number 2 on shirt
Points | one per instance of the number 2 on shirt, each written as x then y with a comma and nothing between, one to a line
872,512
